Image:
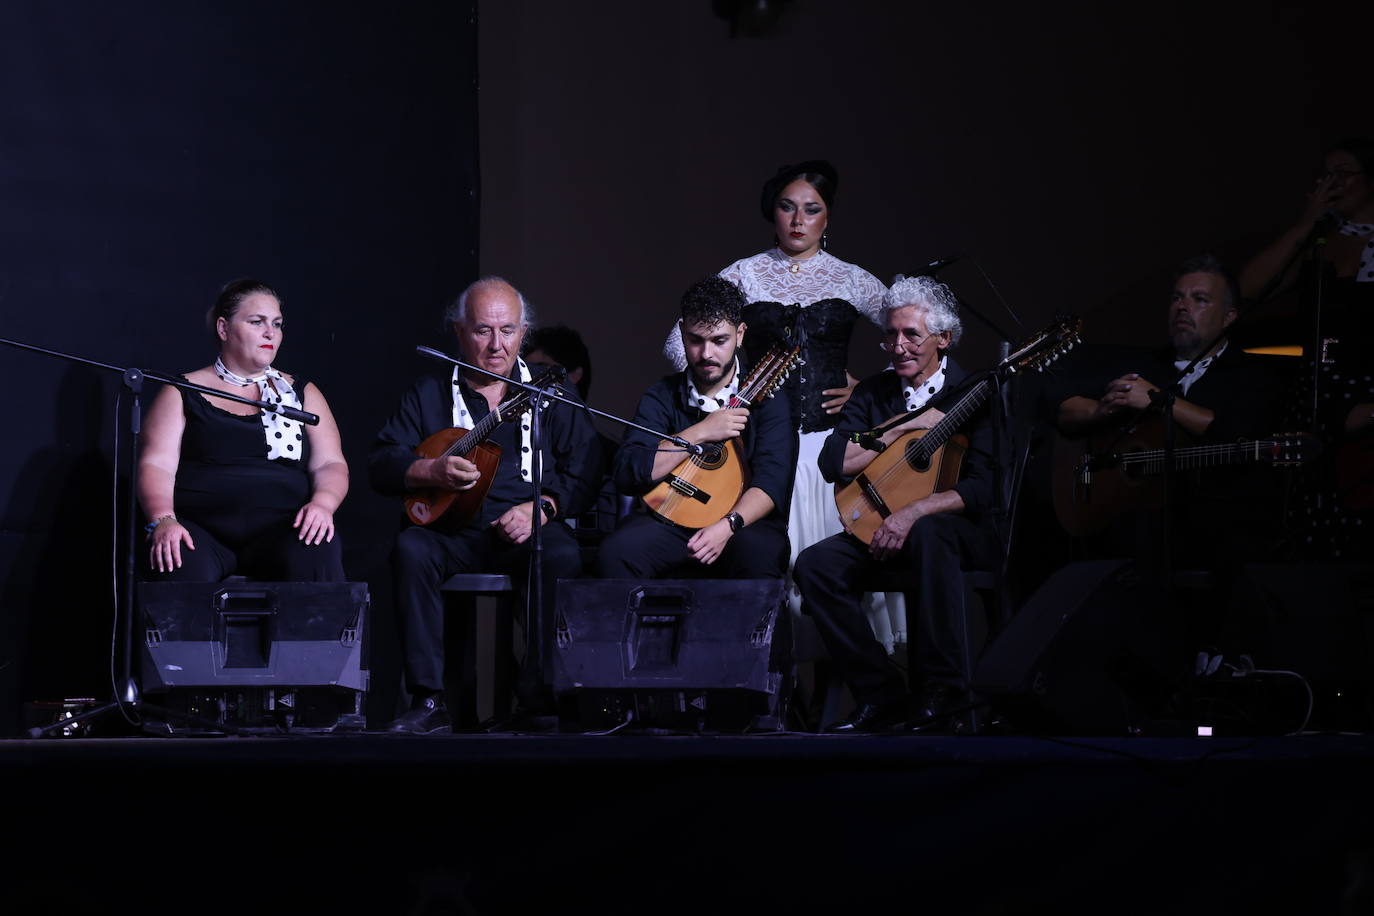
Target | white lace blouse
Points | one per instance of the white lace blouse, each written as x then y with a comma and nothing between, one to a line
769,277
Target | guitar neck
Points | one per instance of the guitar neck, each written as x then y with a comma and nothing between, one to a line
956,417
483,428
475,436
1151,461
758,383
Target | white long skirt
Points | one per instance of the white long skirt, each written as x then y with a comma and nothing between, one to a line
814,518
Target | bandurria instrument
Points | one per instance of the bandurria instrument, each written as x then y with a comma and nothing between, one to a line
703,488
424,507
926,461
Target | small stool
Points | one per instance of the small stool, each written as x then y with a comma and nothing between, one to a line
460,595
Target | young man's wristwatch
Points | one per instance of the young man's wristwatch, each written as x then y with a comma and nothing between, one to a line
736,522
546,507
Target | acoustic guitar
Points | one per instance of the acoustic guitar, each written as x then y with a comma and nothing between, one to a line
926,461
424,507
1098,478
704,488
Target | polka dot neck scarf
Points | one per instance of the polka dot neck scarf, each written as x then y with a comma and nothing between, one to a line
283,435
710,404
462,419
917,396
1365,272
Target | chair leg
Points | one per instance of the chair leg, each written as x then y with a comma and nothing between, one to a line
463,707
503,658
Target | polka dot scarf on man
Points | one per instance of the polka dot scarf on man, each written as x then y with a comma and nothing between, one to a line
462,419
711,404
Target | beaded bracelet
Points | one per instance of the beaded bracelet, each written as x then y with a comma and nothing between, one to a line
152,526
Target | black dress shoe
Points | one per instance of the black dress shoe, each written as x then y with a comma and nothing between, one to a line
428,717
937,711
872,717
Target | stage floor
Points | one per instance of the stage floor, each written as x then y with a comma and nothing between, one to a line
645,824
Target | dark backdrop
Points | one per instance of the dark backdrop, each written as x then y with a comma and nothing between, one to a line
1077,150
152,151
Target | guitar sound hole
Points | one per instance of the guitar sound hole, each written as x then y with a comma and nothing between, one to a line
918,460
713,456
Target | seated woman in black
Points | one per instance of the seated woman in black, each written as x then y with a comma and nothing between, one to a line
228,489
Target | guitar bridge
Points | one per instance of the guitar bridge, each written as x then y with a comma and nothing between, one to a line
872,493
689,490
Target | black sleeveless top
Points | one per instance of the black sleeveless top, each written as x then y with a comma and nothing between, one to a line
823,330
225,482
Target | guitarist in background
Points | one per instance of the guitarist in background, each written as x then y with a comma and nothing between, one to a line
751,540
1218,404
489,319
934,538
1228,396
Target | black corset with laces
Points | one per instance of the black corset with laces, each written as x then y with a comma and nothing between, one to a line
823,329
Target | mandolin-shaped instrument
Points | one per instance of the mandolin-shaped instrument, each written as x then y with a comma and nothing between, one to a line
926,461
424,507
704,488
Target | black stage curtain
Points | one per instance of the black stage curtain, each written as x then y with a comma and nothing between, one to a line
153,151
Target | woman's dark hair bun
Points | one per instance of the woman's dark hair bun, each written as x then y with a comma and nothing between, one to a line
818,173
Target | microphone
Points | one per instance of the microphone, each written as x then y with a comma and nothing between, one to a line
870,440
1331,218
935,266
300,416
554,375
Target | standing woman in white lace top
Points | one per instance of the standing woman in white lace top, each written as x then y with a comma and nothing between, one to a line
798,289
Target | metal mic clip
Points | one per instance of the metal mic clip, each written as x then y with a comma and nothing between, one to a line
869,440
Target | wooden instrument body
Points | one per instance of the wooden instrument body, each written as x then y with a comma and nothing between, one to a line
1097,478
702,489
1086,503
896,478
424,507
457,507
912,468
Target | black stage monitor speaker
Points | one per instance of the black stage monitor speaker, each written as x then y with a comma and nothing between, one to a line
676,654
1313,618
1094,651
238,633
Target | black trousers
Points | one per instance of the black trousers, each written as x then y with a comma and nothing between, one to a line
275,555
646,548
423,559
833,574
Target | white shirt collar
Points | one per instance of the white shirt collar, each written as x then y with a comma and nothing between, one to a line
1187,381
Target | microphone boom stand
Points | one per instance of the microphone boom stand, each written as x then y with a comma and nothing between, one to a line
538,637
127,692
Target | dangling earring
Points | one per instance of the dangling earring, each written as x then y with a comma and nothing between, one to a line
825,240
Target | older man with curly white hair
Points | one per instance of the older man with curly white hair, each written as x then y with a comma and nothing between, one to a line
931,539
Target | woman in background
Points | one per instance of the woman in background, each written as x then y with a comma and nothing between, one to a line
797,290
1332,511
